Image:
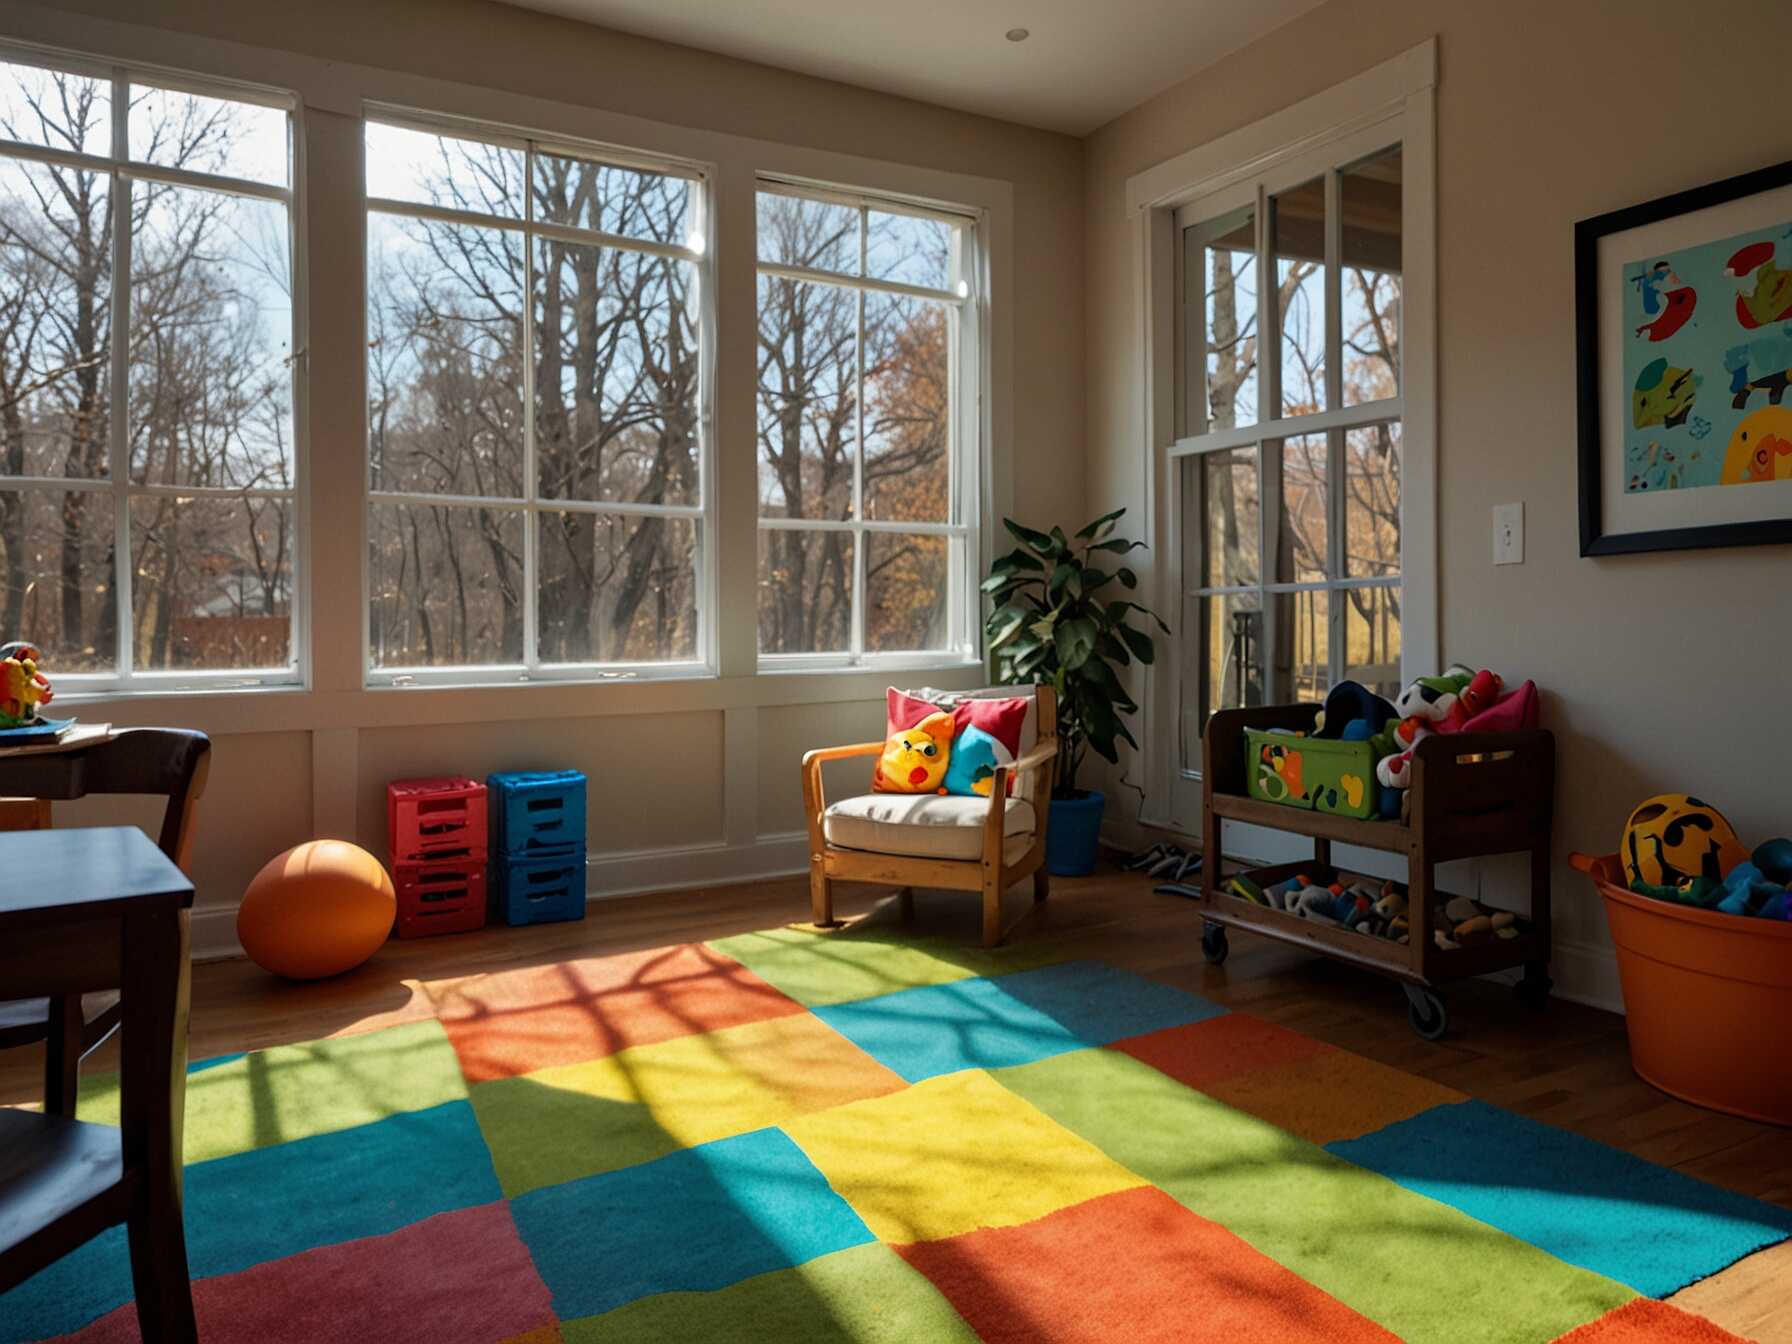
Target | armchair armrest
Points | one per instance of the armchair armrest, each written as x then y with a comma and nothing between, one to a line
821,754
814,800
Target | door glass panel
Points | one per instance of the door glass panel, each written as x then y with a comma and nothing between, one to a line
1372,501
1370,285
1303,647
1372,638
1223,262
1233,519
1301,547
1297,243
1229,653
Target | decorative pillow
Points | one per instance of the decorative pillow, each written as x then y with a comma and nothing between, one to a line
915,758
989,734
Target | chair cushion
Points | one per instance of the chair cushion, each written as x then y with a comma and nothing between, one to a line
925,826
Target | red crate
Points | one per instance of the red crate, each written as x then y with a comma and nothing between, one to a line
431,819
445,897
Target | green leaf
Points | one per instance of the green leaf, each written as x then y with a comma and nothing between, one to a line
1119,546
1106,521
1004,624
1127,577
1139,642
1014,562
1027,536
1075,639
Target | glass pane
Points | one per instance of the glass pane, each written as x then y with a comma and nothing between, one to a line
908,249
49,107
1233,521
1372,501
56,576
211,583
210,135
794,231
908,409
1229,656
1302,549
445,585
1303,645
211,339
615,374
623,201
1297,242
905,592
616,589
417,166
444,363
808,417
805,591
1369,199
1225,266
55,311
1372,638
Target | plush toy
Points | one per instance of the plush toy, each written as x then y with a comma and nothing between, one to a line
22,687
1352,713
1435,705
915,759
1390,911
1463,922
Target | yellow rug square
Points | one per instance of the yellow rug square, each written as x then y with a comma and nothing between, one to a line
576,1120
950,1155
1331,1095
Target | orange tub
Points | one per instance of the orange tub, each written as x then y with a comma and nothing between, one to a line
1707,997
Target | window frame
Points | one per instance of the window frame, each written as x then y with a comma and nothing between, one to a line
531,504
126,678
967,450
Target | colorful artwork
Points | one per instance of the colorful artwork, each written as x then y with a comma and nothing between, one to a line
1679,351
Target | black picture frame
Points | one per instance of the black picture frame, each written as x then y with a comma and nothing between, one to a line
1594,540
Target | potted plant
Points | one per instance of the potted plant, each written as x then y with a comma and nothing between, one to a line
1059,619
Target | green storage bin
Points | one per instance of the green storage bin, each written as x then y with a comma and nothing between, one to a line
1317,773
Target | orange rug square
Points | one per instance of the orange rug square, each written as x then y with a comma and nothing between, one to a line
516,1022
1646,1321
1134,1266
1219,1048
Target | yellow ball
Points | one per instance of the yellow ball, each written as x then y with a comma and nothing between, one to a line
1674,837
319,909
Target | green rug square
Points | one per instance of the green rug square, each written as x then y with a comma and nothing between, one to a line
1418,1267
864,1295
296,1091
867,960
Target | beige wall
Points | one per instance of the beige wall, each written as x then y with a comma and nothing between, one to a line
1656,668
690,781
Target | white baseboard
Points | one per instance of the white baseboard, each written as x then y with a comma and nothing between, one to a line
624,873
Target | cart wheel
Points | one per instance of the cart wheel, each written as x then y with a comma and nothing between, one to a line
1213,943
1534,989
1425,1011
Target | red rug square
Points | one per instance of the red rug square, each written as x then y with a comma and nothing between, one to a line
1646,1321
1221,1047
1135,1266
515,1022
399,1286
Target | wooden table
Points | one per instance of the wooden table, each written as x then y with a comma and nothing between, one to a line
91,909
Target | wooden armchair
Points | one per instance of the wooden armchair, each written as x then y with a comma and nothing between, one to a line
927,840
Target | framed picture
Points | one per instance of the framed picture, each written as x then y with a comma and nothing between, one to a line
1683,326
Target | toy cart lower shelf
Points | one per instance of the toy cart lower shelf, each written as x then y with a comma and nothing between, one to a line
1472,795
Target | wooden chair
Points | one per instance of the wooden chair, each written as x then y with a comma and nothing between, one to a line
164,762
925,840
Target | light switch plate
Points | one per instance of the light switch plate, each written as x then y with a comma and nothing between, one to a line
1508,534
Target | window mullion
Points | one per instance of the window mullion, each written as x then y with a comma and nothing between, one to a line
531,520
859,536
118,437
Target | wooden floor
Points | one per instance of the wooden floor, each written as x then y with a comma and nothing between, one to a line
1566,1065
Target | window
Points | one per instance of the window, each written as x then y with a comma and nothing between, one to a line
537,406
147,366
869,462
1290,453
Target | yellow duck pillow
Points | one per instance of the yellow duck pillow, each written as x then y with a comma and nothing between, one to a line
915,759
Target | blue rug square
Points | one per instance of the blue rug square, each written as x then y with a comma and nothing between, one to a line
1100,1005
695,1220
937,1029
1593,1206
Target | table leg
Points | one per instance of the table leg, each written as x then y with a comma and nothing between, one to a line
154,1051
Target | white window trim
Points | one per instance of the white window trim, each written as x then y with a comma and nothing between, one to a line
699,251
126,678
967,450
1393,101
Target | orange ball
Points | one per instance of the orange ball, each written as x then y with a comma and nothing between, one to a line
319,909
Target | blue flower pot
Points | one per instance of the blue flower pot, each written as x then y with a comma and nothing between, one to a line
1071,845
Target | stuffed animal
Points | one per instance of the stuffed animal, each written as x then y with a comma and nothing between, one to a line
1390,910
22,687
1434,705
1463,922
914,760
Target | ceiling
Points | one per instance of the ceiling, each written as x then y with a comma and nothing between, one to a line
1084,63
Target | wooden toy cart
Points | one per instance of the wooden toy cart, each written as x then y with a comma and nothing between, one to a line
1472,794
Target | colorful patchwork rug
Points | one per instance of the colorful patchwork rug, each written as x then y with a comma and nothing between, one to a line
789,1136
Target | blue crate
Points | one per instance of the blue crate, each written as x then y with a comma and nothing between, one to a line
536,812
538,890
